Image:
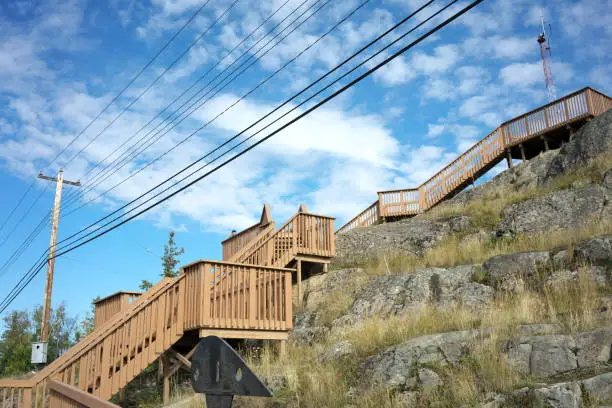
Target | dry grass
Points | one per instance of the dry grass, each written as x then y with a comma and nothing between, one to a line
476,248
486,210
313,383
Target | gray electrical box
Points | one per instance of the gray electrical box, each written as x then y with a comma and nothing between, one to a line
39,353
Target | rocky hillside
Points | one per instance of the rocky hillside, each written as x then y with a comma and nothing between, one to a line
500,297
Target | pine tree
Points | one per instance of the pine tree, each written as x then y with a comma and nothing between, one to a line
170,258
145,285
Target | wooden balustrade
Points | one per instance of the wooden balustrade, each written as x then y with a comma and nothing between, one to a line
483,155
15,394
222,295
399,202
65,396
249,247
303,234
108,358
109,306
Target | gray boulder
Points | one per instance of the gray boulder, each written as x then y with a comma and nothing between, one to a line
594,347
411,236
400,367
590,141
396,294
564,395
597,251
600,386
317,288
306,329
569,208
543,356
551,355
512,272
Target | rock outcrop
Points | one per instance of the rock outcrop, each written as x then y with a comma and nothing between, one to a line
396,294
412,236
563,209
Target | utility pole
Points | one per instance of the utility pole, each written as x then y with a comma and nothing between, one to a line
39,350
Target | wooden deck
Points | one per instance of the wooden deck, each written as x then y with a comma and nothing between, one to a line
511,139
247,298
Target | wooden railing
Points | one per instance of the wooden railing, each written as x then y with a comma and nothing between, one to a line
65,396
15,393
107,359
208,294
303,234
237,296
367,217
108,307
480,157
236,243
263,235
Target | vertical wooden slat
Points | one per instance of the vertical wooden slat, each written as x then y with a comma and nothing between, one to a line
181,307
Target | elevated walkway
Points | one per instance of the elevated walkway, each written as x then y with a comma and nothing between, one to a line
523,137
247,297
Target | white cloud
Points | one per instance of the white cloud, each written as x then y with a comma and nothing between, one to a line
442,59
397,72
530,73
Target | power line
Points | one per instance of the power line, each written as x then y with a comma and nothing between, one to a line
142,70
246,150
126,158
161,75
92,121
184,140
25,193
24,215
182,94
270,113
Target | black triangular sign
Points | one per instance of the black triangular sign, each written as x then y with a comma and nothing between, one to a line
216,369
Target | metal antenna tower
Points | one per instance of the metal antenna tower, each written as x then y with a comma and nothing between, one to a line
545,52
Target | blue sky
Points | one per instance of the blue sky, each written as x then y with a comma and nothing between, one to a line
61,62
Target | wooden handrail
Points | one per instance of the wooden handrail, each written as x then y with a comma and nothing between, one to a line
586,102
253,243
370,216
66,395
296,236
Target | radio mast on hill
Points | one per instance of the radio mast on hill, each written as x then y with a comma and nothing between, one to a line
545,52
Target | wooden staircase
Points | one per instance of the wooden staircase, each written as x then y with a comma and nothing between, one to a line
249,297
303,234
517,138
111,356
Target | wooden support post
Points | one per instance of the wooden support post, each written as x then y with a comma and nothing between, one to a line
522,152
167,374
325,267
545,140
299,281
509,158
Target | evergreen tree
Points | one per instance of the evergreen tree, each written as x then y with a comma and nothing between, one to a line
145,285
170,258
16,344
